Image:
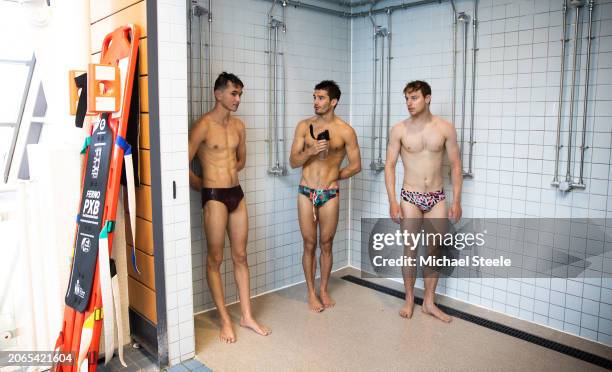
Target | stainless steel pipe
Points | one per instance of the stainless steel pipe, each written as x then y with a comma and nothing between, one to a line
374,86
270,139
473,101
568,176
389,39
382,95
203,92
586,94
555,181
454,103
275,92
462,17
209,66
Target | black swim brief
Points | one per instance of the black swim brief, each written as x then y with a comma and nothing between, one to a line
230,196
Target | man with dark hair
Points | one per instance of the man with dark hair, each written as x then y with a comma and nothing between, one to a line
421,141
224,78
218,139
332,89
319,146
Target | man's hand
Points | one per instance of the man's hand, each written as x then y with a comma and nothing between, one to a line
454,213
318,147
195,182
395,211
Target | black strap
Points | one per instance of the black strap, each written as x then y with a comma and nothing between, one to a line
81,82
113,268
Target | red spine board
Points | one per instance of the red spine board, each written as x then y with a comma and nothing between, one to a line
119,44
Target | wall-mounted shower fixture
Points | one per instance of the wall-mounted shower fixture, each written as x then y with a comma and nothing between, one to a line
464,19
454,103
276,107
380,35
583,146
196,13
569,182
469,173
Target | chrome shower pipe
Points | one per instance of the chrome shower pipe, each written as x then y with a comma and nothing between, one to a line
555,181
469,173
464,18
586,96
282,141
195,11
189,67
374,86
362,3
406,5
389,38
382,95
372,18
348,14
203,92
568,176
454,103
270,120
198,11
315,8
208,67
275,167
344,3
275,92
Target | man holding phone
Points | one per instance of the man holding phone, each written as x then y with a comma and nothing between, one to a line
319,146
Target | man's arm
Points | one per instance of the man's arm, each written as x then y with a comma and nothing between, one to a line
299,153
454,159
393,150
196,137
353,154
241,150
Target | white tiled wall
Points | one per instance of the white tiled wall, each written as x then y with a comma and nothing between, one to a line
317,48
172,36
516,107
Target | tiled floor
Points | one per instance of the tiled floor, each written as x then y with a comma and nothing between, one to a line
363,332
190,365
139,360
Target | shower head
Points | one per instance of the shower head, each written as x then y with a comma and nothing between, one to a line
274,23
197,10
576,3
462,17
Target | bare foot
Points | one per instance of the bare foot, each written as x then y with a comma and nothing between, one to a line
314,304
252,324
406,311
327,300
227,333
433,310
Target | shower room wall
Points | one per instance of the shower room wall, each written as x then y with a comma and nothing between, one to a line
317,47
517,89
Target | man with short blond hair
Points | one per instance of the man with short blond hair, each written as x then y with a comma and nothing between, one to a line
421,140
